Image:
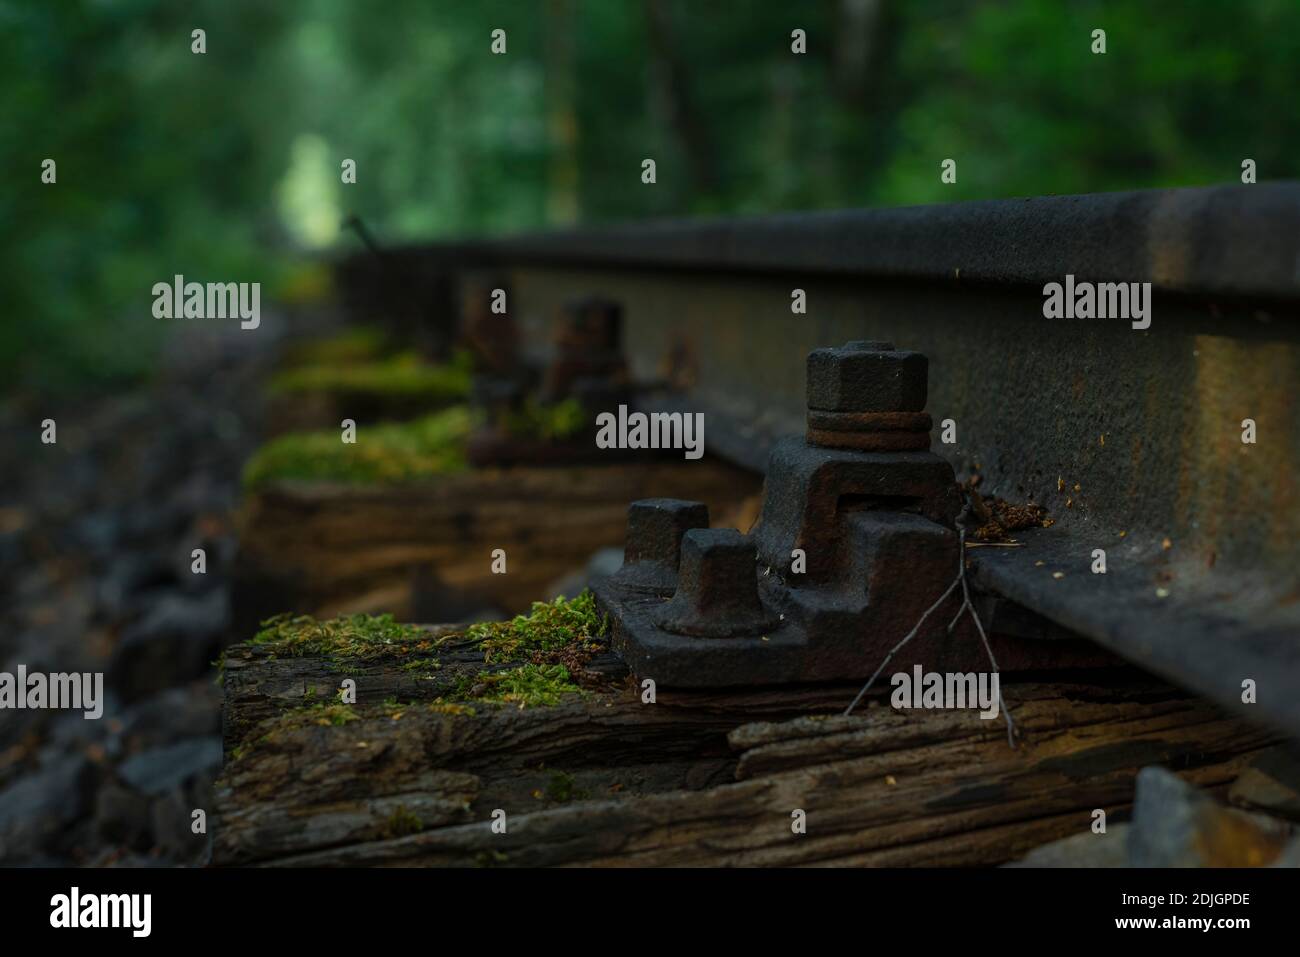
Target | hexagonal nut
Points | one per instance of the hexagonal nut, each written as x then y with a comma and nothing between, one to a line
855,379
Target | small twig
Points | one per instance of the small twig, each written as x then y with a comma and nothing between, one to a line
966,604
910,635
979,626
353,222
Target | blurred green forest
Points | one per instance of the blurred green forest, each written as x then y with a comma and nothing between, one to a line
225,166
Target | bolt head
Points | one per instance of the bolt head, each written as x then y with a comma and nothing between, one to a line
717,589
718,562
866,377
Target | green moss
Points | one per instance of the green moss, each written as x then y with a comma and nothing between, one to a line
353,636
293,719
361,344
390,453
561,420
402,822
562,788
304,284
244,747
451,708
322,715
333,715
528,686
550,627
401,376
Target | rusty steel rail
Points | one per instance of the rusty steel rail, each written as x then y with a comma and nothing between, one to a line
1131,438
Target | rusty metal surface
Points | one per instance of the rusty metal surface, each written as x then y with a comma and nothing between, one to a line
851,549
1206,632
1146,423
1131,438
586,367
1221,240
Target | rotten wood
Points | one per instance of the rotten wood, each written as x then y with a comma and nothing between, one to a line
695,779
310,410
414,550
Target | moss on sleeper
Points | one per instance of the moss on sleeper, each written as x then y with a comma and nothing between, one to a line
305,716
402,823
391,453
562,788
554,637
528,686
442,706
346,637
401,376
560,420
560,631
422,667
325,715
238,752
359,344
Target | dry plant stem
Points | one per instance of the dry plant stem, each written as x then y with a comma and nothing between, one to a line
979,626
910,635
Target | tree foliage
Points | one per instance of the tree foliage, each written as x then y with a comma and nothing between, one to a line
225,166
